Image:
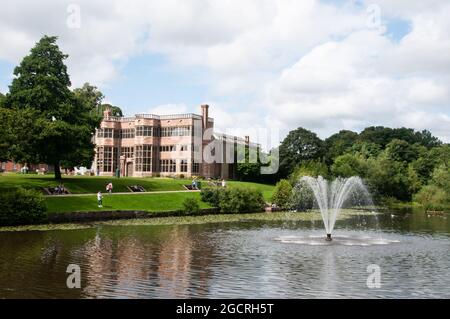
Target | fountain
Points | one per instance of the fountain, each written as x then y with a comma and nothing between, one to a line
330,197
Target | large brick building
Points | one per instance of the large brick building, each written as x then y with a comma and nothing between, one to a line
166,145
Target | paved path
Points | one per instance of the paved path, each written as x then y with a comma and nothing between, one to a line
124,193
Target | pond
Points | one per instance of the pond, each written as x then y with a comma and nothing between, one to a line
240,259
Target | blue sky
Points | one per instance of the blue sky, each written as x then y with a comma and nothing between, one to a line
324,65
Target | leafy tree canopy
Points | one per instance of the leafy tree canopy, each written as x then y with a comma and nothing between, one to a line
339,143
298,146
51,123
384,135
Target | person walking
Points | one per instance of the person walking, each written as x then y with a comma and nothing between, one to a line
224,184
100,199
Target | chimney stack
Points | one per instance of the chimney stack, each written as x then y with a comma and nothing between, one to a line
107,112
247,140
205,116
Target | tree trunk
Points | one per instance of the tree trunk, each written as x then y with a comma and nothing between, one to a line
57,172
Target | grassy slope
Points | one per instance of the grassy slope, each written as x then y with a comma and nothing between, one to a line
145,202
83,184
86,184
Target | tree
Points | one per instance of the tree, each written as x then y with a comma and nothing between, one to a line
309,168
441,178
247,171
339,143
90,95
388,178
366,149
2,97
59,125
5,133
402,151
298,146
431,197
383,135
348,165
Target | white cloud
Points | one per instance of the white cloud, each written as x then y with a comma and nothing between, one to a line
283,63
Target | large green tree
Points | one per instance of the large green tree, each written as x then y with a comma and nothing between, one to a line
384,135
58,125
299,145
338,144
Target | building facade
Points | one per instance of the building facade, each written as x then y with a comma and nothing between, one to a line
166,145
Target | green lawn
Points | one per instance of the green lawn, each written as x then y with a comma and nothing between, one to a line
91,185
144,202
87,184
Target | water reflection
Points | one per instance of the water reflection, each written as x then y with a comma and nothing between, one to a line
230,260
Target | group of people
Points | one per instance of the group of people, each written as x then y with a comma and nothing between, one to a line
195,185
109,188
60,189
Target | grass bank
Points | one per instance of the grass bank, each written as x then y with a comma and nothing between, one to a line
143,202
93,184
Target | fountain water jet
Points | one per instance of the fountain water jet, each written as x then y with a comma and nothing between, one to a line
330,197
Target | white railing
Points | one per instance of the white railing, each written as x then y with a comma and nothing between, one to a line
155,117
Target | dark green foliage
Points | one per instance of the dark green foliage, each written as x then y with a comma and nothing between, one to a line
300,145
191,206
339,143
432,197
402,151
384,135
20,207
366,149
234,200
211,195
388,178
241,200
282,194
51,124
250,168
309,168
348,165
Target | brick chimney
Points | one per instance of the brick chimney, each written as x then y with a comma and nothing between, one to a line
107,112
205,108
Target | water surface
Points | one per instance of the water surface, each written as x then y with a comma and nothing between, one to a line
231,260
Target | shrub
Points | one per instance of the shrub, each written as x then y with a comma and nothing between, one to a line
240,200
282,194
302,197
210,195
21,207
181,176
190,206
431,197
234,200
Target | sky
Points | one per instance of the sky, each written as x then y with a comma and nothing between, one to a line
325,65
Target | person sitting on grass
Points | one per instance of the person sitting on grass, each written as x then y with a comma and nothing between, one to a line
100,199
194,183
